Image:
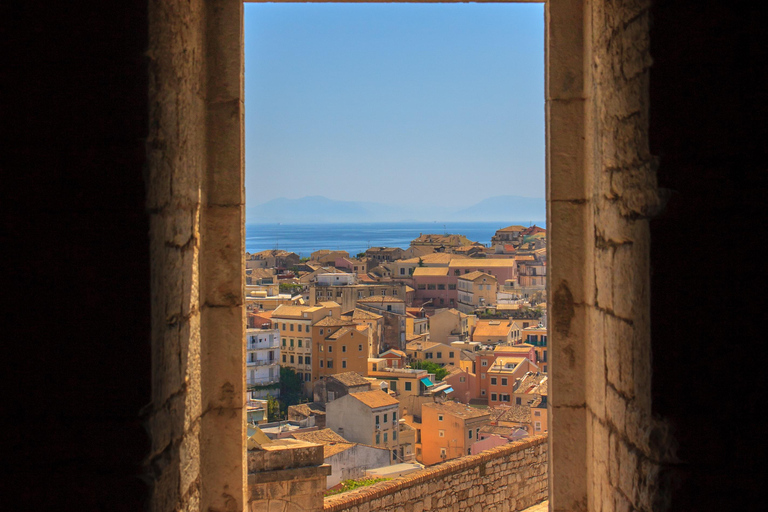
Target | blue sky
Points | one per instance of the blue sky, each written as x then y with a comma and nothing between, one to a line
394,103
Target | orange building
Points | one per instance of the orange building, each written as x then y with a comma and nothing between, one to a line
449,430
339,346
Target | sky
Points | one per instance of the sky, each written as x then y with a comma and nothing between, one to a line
394,103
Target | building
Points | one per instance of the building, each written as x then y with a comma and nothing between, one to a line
508,235
449,430
335,386
384,254
435,286
432,352
262,362
440,242
347,460
348,295
448,325
476,290
295,325
502,377
339,347
392,310
500,268
504,331
369,417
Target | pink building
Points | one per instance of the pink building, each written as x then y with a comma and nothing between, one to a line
500,268
435,284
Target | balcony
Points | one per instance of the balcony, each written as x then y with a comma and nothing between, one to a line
262,382
258,345
261,362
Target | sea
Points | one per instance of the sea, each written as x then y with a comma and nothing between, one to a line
304,239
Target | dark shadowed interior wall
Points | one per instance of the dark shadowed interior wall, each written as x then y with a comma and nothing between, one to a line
709,131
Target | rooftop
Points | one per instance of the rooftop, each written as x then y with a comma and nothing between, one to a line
349,379
457,409
375,399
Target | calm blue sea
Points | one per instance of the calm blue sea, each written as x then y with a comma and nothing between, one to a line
304,239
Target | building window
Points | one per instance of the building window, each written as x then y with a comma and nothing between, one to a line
283,326
493,397
518,401
301,359
503,381
450,355
306,360
378,439
299,328
431,287
343,348
407,386
537,413
284,341
385,417
439,417
394,435
441,433
482,392
385,437
421,286
299,343
291,342
344,363
291,327
457,272
321,363
291,359
537,426
283,357
470,433
321,330
402,271
359,348
394,417
330,363
377,419
330,348
493,381
484,363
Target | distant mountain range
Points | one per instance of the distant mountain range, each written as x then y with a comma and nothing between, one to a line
319,209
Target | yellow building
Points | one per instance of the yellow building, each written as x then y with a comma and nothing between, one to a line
432,352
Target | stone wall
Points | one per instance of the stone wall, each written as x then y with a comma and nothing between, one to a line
607,449
506,478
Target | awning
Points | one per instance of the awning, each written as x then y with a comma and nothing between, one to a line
427,382
449,390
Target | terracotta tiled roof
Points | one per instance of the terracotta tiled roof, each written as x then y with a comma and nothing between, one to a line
342,332
512,228
492,328
329,321
457,409
472,276
349,378
361,314
375,399
516,414
332,442
284,311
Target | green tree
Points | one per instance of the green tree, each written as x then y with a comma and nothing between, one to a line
273,408
290,388
431,367
360,255
421,262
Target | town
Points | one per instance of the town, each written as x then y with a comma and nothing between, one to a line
398,359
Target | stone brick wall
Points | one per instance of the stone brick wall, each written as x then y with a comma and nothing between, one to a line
625,445
506,478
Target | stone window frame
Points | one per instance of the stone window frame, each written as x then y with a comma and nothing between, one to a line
196,192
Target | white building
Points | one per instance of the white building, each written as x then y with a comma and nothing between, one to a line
262,362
